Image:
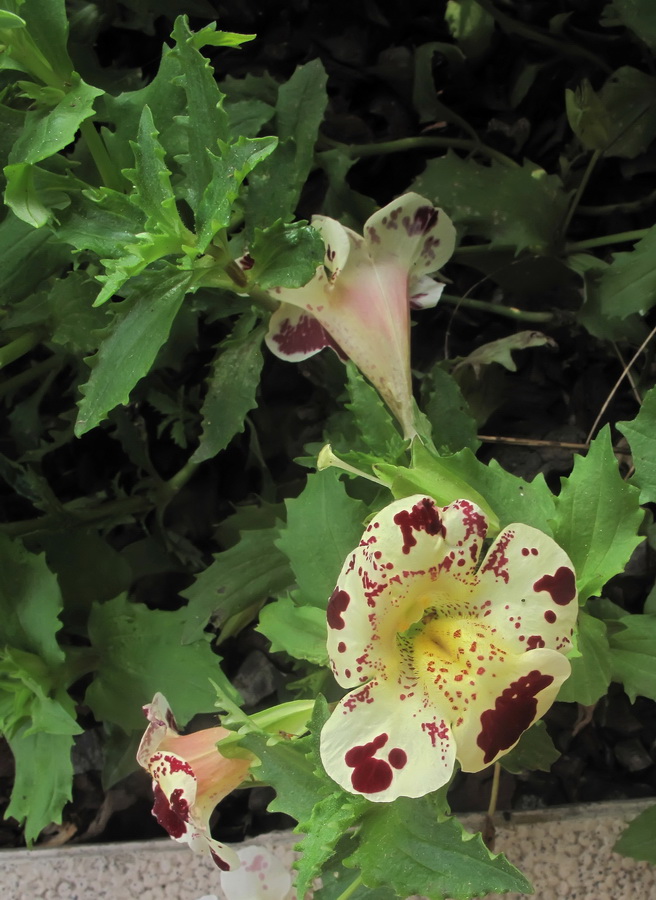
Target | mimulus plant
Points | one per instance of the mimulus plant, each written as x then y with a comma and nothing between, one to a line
448,659
190,777
359,300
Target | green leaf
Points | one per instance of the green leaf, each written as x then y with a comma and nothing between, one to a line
47,24
591,671
47,131
373,421
29,692
323,526
285,255
29,257
639,16
628,284
638,839
300,631
101,220
138,256
32,193
535,751
432,857
453,426
139,652
38,801
231,392
621,119
501,351
130,350
518,207
633,655
470,25
641,435
30,603
207,120
228,172
152,180
597,517
242,577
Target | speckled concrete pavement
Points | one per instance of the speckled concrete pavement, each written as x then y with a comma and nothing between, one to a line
567,857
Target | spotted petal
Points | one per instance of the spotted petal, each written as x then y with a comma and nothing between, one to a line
295,334
261,876
384,747
412,231
390,580
516,691
527,590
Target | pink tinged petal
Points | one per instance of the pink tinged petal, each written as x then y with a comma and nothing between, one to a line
413,232
295,334
412,556
261,876
515,694
161,724
382,747
527,590
424,293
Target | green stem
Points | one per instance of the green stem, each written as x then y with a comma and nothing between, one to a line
351,889
510,312
171,487
10,385
18,347
359,151
631,206
621,238
110,175
512,26
73,516
592,162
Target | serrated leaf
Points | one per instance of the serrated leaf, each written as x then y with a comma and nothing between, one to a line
500,351
300,108
285,255
231,392
139,652
432,857
637,841
323,526
597,517
47,131
101,220
130,350
29,693
453,426
239,578
137,257
38,801
229,170
300,631
518,207
535,751
641,435
372,418
591,671
628,284
633,655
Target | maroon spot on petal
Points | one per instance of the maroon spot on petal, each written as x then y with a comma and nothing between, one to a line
172,814
534,642
373,235
341,647
422,517
513,713
306,335
337,604
424,219
525,551
177,764
398,758
550,616
369,775
561,586
246,261
221,863
496,561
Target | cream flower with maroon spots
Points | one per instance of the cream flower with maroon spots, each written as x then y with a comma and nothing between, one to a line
359,300
190,776
449,657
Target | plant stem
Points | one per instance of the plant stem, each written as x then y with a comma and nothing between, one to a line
18,347
607,210
622,237
509,312
360,151
351,889
181,477
110,175
592,162
36,371
73,516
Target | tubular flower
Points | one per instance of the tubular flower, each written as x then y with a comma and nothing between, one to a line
190,776
448,658
359,300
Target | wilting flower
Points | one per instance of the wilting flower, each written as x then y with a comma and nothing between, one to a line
359,300
261,876
190,776
451,659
